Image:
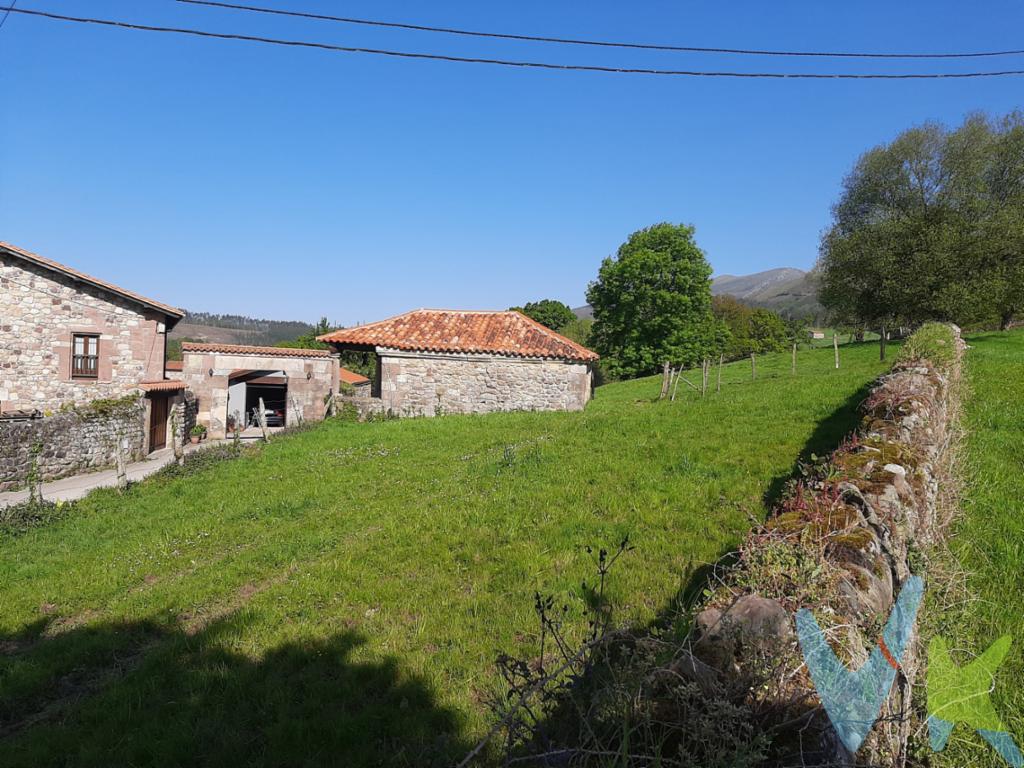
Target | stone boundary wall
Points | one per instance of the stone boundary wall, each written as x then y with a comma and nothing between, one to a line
75,441
842,543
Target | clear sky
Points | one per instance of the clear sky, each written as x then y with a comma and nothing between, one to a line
285,183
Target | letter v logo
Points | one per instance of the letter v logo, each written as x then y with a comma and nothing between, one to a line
853,699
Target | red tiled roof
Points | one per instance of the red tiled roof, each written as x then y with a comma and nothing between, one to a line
241,349
173,313
442,330
165,385
174,365
351,377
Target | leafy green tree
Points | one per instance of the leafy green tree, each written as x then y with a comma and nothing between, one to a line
652,303
548,312
578,330
749,329
308,340
363,363
929,227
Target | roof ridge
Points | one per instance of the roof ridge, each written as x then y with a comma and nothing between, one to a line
241,349
48,263
453,330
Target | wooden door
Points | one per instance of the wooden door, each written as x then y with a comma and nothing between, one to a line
158,423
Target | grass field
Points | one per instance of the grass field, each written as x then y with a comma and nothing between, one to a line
340,597
988,541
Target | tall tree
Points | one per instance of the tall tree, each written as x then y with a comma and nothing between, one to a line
928,228
652,303
549,312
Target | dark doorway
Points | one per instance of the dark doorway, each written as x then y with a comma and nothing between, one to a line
157,422
275,402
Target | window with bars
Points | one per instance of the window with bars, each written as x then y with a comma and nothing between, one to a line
85,356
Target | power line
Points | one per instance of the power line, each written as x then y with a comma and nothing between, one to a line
7,13
511,63
601,43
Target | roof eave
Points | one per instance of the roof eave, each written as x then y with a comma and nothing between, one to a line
171,314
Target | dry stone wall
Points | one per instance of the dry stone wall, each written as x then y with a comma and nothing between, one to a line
422,384
841,544
80,440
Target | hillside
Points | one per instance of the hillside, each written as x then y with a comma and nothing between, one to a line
788,291
344,591
236,329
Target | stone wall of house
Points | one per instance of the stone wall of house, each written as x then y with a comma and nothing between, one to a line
39,312
310,381
426,384
83,439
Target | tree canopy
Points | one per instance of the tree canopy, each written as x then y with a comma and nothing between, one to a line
750,329
652,303
930,227
549,312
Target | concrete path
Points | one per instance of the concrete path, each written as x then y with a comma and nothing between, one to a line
71,488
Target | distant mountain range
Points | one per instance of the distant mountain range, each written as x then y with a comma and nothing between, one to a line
788,291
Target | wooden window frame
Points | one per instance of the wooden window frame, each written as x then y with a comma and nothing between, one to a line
85,372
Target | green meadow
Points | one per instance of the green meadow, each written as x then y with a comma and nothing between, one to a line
339,596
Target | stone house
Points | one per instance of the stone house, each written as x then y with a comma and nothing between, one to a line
230,380
67,339
433,361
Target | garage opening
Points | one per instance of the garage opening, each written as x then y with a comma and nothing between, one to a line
245,390
275,403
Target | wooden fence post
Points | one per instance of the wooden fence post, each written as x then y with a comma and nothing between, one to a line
721,359
177,439
665,380
261,418
753,367
122,470
835,347
675,385
35,481
794,358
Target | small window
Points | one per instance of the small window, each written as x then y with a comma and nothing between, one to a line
85,356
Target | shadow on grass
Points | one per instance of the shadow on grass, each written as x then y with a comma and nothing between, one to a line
144,694
826,437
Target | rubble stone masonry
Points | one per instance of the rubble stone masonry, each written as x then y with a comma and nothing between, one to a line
427,384
39,313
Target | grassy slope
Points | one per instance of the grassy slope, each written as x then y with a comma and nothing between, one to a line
988,542
346,592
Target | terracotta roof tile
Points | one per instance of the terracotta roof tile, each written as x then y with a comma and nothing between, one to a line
351,377
174,365
166,385
442,330
241,349
173,313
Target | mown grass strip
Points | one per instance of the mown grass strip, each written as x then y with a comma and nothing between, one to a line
979,593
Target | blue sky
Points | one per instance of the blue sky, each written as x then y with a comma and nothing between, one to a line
275,182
